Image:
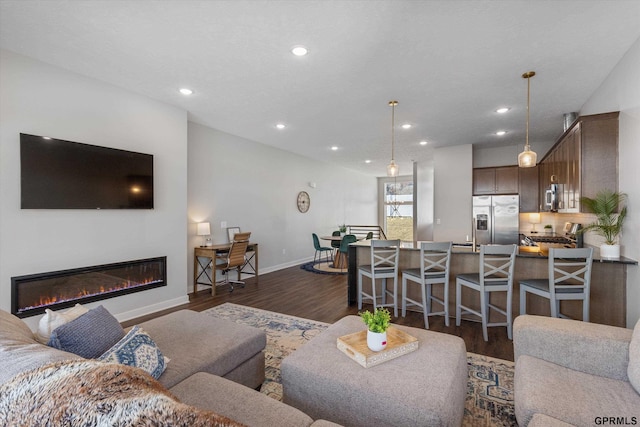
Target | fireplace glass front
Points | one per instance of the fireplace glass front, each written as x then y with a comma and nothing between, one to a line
32,294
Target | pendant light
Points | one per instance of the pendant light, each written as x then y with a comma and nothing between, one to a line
527,159
392,168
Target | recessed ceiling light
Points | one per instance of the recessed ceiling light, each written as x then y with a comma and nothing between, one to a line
46,137
406,126
502,110
423,142
334,148
367,161
299,50
186,91
281,126
501,132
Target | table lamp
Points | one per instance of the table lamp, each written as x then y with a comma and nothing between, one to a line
203,229
534,218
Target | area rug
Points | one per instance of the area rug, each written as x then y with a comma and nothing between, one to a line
489,400
322,268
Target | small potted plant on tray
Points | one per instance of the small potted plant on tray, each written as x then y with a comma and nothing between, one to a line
548,229
377,325
343,229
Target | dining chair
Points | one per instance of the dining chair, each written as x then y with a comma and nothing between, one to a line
495,275
569,278
384,265
320,250
235,260
335,243
343,250
435,258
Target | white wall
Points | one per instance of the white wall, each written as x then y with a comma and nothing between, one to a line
254,186
621,92
508,155
453,187
424,200
40,99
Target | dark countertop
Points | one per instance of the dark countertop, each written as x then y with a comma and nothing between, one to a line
523,252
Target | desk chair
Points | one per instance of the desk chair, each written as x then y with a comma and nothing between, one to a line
384,265
569,279
320,249
235,259
435,258
496,275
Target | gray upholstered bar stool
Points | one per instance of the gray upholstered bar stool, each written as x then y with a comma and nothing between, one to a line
435,258
496,275
569,279
384,265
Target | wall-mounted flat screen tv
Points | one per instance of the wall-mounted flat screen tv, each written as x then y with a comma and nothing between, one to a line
58,174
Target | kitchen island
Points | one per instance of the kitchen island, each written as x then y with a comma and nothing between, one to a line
608,282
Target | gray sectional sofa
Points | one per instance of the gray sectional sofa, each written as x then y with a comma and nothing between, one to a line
575,373
215,365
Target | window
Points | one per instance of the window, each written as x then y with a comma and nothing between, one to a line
398,208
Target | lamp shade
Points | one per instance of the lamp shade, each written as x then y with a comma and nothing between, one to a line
203,229
534,218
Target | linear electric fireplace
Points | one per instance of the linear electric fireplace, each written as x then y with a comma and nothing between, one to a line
32,294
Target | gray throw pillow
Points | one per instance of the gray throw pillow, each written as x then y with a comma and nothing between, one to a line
633,371
90,335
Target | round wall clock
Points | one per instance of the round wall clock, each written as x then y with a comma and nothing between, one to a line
303,201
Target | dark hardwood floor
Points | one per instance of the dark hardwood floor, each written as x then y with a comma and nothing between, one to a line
323,298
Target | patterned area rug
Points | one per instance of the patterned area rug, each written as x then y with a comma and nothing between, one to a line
322,268
489,399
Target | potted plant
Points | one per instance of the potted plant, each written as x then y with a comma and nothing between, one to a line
548,229
608,224
377,325
343,229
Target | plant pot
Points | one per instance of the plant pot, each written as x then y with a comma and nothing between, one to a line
610,251
376,341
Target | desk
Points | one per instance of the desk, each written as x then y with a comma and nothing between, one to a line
210,253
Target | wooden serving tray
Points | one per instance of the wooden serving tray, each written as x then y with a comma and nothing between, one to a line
355,346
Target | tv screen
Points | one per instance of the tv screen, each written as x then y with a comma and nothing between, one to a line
58,174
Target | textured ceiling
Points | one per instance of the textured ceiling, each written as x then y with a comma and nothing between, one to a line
450,64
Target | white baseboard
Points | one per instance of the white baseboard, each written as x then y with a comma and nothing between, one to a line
153,308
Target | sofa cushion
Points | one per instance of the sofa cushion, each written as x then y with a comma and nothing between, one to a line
571,396
634,358
90,335
53,319
197,342
19,351
137,349
237,402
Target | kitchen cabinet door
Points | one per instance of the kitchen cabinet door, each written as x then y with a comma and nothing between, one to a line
507,180
528,189
484,181
599,156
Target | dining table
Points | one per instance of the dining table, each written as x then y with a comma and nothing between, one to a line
340,259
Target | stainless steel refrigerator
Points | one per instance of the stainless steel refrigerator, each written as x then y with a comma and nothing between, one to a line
495,219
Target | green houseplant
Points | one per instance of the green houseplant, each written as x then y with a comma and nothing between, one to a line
342,228
609,221
548,228
377,325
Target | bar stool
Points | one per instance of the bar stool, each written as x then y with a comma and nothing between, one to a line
435,258
496,275
569,279
384,265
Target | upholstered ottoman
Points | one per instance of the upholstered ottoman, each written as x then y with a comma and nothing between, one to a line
424,388
197,342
